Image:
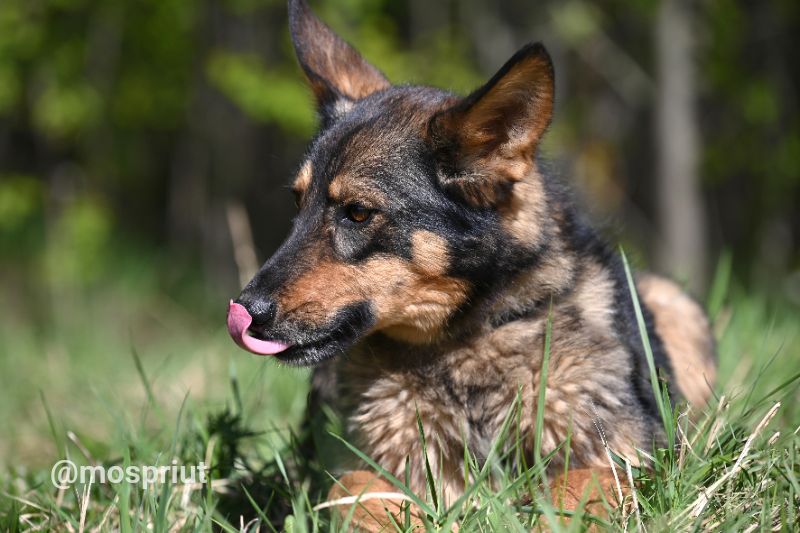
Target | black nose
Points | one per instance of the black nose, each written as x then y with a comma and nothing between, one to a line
261,309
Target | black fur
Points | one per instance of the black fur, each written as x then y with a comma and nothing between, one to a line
407,173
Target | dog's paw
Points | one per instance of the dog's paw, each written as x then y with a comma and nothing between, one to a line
370,503
591,490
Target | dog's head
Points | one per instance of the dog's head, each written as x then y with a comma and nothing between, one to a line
408,199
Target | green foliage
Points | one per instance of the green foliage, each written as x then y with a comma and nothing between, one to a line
106,106
80,236
123,90
9,88
269,96
754,131
66,110
20,202
746,463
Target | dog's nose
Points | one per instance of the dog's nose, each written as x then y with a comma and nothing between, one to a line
262,310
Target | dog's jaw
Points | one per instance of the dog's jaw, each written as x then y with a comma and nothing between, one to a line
297,347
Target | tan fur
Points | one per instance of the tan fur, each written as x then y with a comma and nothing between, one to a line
523,214
556,270
368,513
497,135
430,253
408,301
479,125
418,309
349,188
469,354
412,300
354,86
329,62
594,491
303,179
592,294
686,333
582,397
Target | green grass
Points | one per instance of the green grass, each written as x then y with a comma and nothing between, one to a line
126,385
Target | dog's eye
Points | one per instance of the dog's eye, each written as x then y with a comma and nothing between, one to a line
298,199
357,213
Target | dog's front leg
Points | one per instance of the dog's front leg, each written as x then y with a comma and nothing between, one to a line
371,503
592,490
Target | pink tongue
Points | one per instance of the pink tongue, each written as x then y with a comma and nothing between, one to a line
238,322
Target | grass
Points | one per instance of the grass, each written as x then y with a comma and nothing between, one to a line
174,388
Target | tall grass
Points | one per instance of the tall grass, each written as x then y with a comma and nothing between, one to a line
735,466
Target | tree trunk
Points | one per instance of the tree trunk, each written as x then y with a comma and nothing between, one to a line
683,249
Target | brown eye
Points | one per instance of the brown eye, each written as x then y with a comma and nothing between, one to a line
357,213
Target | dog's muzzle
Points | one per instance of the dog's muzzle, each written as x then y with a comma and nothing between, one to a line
239,321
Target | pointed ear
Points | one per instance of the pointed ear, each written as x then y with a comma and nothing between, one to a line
487,142
335,70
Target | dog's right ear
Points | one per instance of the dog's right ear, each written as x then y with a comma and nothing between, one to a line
487,141
336,71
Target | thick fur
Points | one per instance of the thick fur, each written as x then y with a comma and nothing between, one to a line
437,304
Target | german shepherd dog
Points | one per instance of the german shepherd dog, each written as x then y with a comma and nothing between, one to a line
429,253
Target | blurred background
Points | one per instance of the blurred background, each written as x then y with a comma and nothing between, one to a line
146,147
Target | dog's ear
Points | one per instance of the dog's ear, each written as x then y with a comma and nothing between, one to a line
335,70
487,141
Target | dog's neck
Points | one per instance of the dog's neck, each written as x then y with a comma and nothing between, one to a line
551,268
525,295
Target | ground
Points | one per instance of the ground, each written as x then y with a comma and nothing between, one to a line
151,381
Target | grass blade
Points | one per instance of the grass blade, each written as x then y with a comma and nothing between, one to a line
428,473
663,408
389,477
537,445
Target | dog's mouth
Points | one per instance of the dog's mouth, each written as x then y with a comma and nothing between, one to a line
352,323
239,321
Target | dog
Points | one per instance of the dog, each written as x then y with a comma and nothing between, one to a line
430,254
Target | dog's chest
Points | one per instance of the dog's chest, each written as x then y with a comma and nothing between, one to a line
462,396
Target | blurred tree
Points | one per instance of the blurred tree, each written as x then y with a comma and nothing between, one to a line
156,116
680,206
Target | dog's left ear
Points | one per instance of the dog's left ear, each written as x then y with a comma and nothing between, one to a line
335,70
487,142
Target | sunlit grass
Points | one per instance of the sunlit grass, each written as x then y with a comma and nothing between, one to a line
186,393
